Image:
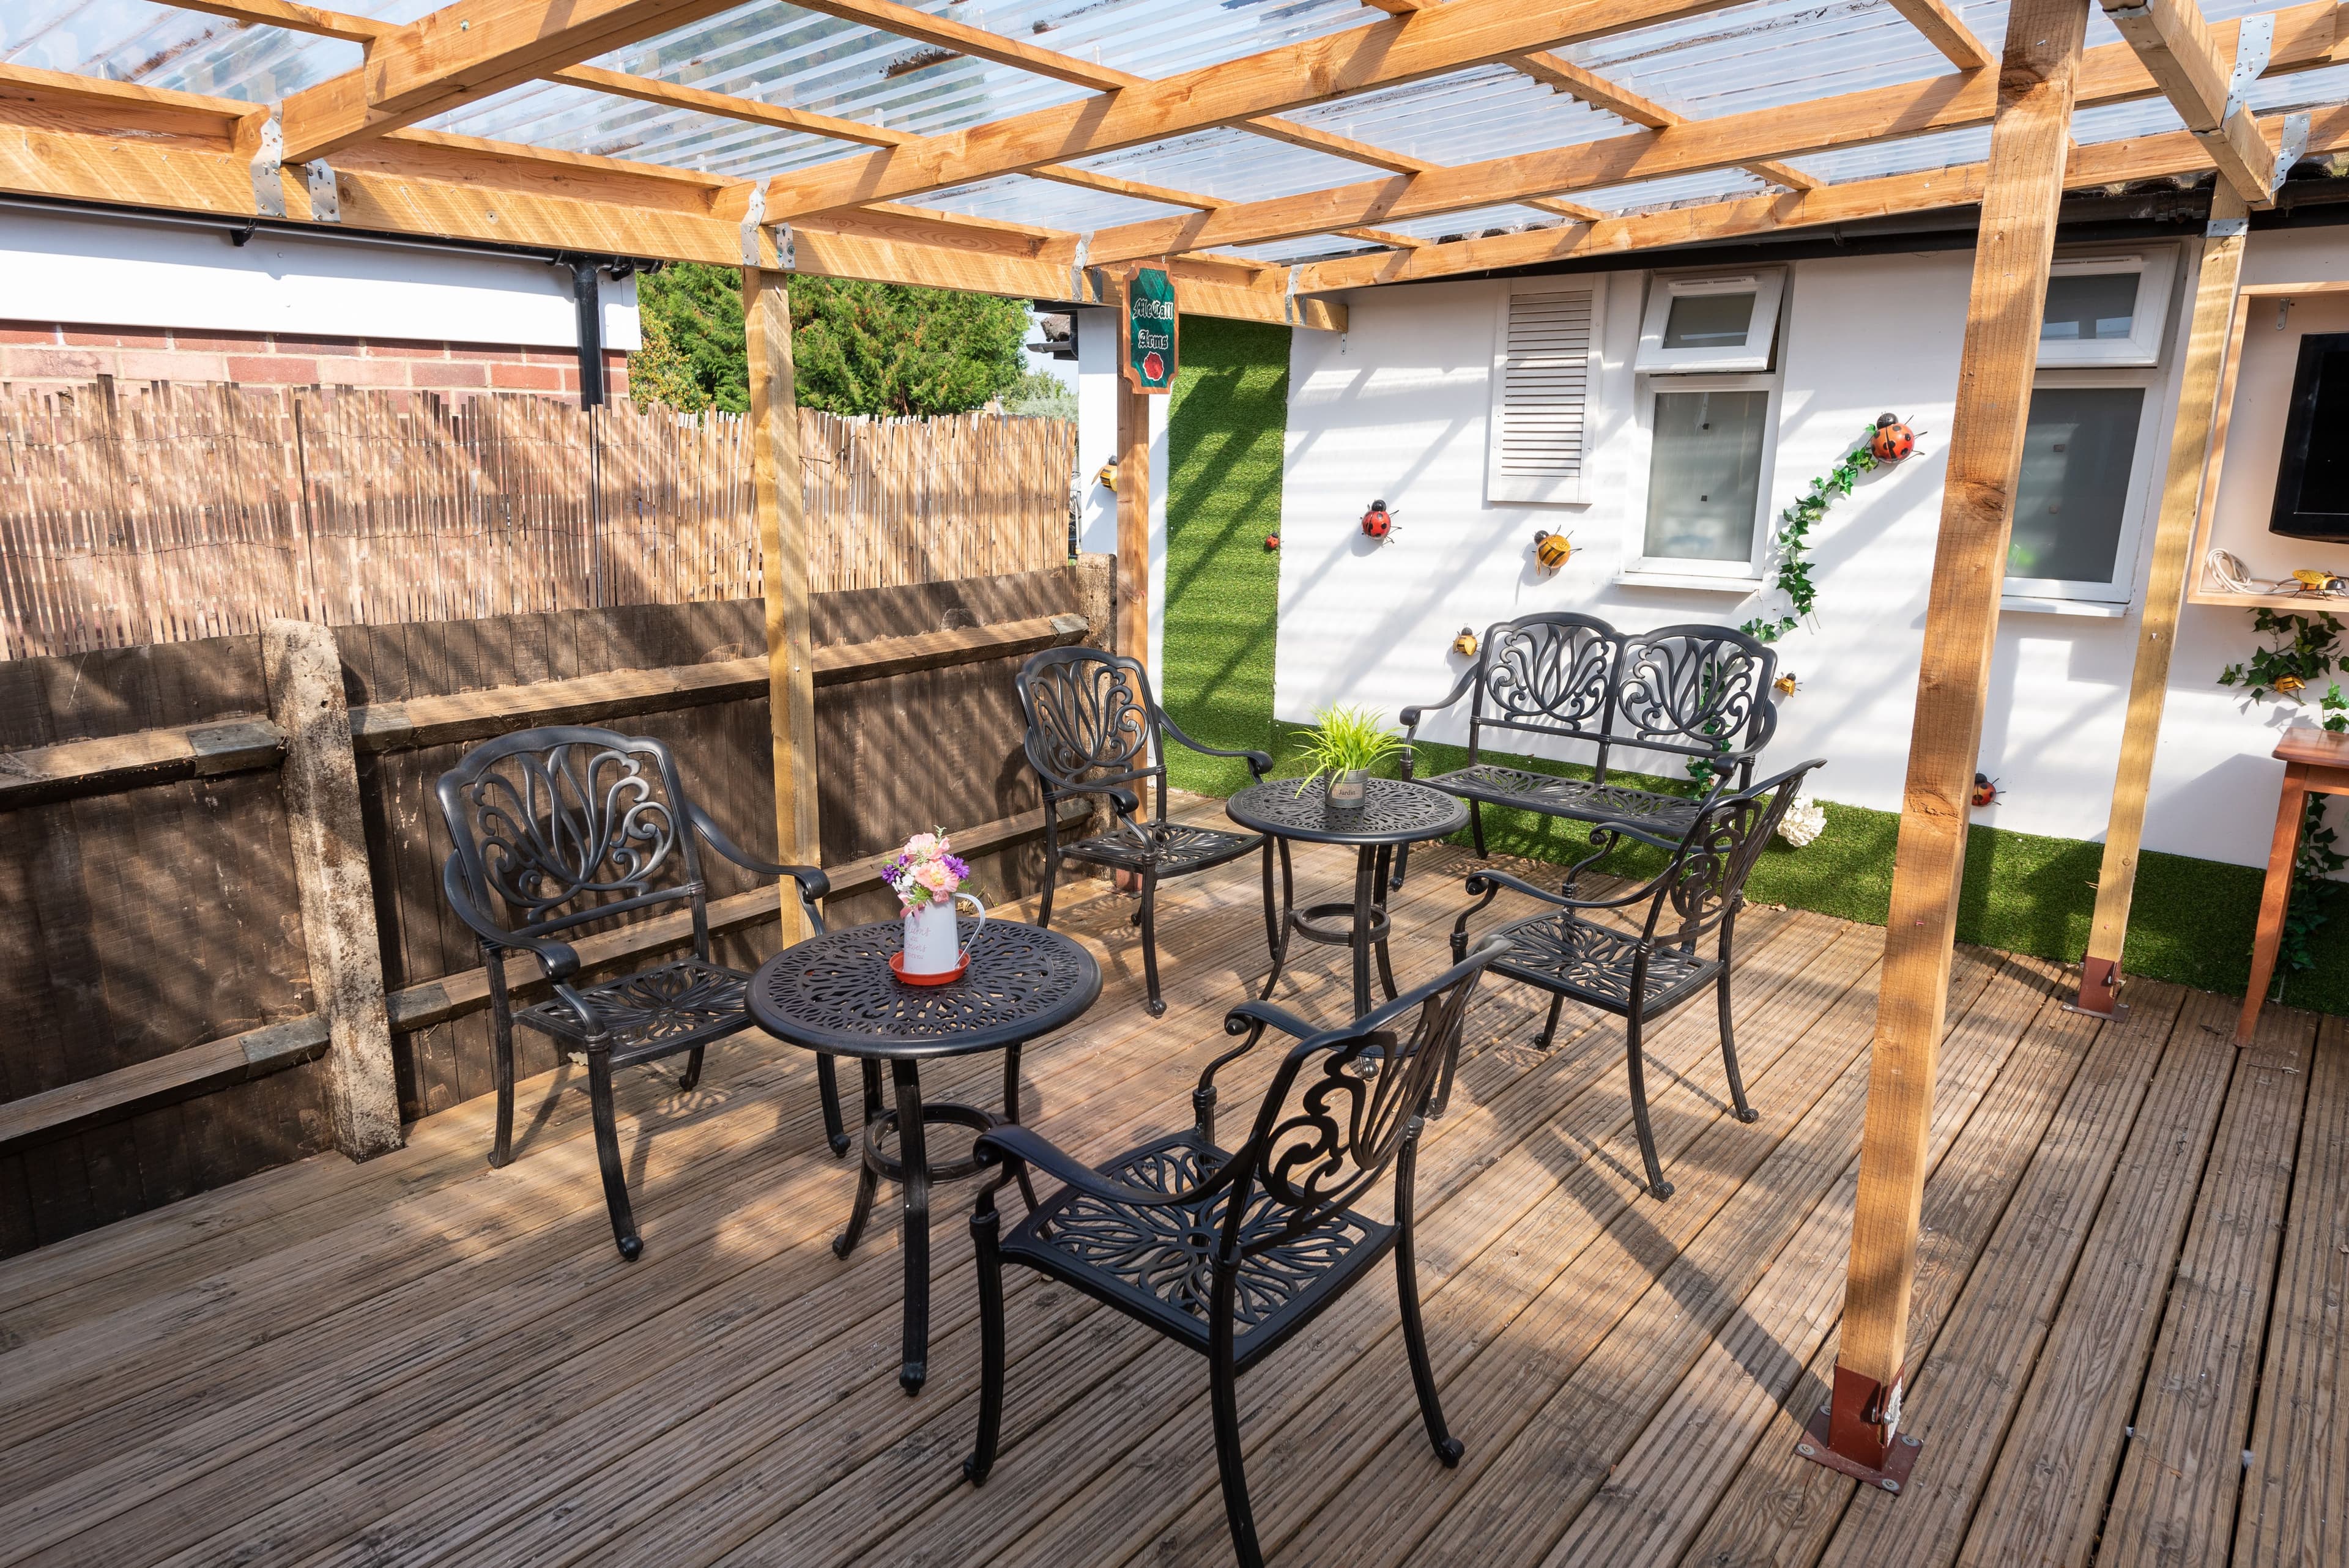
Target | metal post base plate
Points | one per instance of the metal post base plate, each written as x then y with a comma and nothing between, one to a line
1898,1459
2100,983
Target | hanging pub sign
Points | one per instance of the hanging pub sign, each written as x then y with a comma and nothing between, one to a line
1151,330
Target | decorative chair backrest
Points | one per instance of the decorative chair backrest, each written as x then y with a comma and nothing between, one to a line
1339,1107
568,825
1706,880
1090,718
1549,674
1695,690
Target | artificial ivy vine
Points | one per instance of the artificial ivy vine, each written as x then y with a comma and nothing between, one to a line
2304,651
1792,546
1792,543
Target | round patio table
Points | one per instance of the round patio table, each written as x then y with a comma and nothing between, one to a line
1395,812
836,994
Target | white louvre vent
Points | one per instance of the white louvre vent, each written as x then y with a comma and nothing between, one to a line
1544,367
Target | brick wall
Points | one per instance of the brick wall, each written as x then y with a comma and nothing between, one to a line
33,353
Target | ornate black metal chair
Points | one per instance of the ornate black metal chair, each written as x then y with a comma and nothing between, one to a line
567,827
1641,975
1696,691
1233,1252
1094,728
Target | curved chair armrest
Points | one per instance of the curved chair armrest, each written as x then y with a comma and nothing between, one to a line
1488,881
560,958
1126,801
1411,715
1258,763
813,882
1014,1143
1248,1015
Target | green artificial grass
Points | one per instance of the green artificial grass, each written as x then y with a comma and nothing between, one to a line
1224,434
2190,921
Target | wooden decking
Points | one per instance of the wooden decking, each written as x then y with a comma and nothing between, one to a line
2129,1313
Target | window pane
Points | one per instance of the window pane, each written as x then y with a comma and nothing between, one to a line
2088,307
1706,475
2076,453
1709,320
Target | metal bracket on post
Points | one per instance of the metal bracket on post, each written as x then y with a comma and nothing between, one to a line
1857,1433
2254,46
1077,280
268,163
2291,147
325,196
787,248
1288,299
2100,991
753,211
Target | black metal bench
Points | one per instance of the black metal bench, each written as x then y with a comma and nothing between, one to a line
1696,691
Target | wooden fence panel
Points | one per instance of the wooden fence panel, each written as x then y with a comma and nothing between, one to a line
170,512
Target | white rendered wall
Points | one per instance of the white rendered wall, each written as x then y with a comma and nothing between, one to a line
106,271
1396,409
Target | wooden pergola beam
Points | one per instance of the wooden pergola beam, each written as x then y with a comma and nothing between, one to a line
2180,51
1852,201
1943,29
2022,191
726,106
287,14
1386,53
1563,75
2304,38
2219,271
465,51
560,205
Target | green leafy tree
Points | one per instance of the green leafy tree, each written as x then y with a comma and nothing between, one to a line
1040,395
859,347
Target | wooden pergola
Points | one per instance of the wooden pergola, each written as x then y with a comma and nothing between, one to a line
347,154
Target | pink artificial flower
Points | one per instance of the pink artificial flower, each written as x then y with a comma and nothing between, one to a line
935,878
922,846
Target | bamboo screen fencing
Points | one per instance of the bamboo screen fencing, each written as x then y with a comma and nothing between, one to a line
175,512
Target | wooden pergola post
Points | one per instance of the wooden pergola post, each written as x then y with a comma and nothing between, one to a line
2165,589
1133,501
780,495
2023,189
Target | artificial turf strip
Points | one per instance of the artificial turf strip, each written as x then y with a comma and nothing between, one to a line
2190,921
1224,436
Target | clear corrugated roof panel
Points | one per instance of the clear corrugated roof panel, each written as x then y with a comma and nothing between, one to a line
1758,56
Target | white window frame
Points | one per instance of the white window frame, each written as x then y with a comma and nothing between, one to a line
2122,588
1679,570
2157,271
1768,287
1536,489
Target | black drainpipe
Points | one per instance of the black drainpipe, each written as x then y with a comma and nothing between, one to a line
588,296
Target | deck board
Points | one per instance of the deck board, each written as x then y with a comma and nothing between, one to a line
424,1361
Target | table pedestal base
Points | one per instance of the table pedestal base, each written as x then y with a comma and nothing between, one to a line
913,1169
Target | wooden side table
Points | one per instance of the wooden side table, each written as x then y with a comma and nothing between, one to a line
2316,762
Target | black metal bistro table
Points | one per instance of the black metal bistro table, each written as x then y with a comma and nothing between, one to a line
1395,812
836,994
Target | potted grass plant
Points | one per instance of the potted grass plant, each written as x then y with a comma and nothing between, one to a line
1344,744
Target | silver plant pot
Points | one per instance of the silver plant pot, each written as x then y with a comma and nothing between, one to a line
1349,790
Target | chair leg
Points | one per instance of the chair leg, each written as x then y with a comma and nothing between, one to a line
984,1226
607,1150
1656,1182
1414,1332
1476,826
692,1074
1223,1380
501,1051
1156,1004
1729,1045
1549,1029
827,1086
1271,919
1044,900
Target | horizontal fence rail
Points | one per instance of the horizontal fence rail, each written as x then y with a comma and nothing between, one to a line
168,512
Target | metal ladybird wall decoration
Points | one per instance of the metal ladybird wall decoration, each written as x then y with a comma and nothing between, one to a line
1465,644
1272,541
1377,523
1894,441
1551,550
1985,789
